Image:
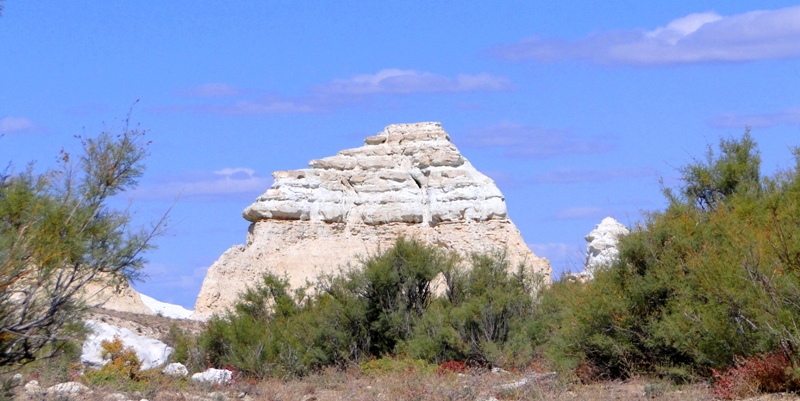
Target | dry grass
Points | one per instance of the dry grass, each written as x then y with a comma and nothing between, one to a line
353,385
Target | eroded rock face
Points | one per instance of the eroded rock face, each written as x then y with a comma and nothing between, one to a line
115,296
408,180
601,249
409,173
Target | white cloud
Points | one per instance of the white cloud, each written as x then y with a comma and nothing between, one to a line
682,27
523,141
16,124
260,107
579,212
226,181
335,94
397,81
731,120
230,171
695,38
213,89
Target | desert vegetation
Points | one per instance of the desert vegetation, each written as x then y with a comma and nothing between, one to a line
705,293
58,236
705,290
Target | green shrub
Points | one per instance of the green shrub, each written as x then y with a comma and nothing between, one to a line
186,349
712,278
485,319
386,307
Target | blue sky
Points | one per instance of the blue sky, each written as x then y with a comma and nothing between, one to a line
576,109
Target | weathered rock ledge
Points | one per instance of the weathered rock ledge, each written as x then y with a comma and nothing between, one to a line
408,180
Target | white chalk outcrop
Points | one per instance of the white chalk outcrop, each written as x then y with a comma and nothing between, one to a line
151,352
164,309
408,180
213,376
175,369
602,248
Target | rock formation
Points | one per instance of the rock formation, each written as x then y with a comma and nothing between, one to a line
152,353
116,295
601,249
408,180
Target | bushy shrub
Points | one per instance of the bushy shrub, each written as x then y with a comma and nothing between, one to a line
771,372
59,236
384,308
122,360
485,319
186,349
712,278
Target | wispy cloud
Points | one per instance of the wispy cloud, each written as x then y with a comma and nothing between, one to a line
730,120
10,125
334,94
212,89
563,257
696,38
271,105
397,81
579,212
524,141
227,181
573,176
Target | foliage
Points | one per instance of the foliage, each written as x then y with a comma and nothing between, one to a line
122,361
452,367
714,277
396,366
485,318
384,308
772,372
58,235
185,349
123,372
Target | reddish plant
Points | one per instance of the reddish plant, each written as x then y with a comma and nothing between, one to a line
452,366
764,373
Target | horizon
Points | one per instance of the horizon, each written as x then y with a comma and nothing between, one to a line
576,111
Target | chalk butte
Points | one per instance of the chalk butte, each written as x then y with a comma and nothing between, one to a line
408,180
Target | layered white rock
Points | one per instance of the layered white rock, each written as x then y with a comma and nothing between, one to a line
409,173
151,352
408,180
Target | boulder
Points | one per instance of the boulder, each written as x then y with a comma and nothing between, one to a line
213,376
152,353
175,369
408,180
68,388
